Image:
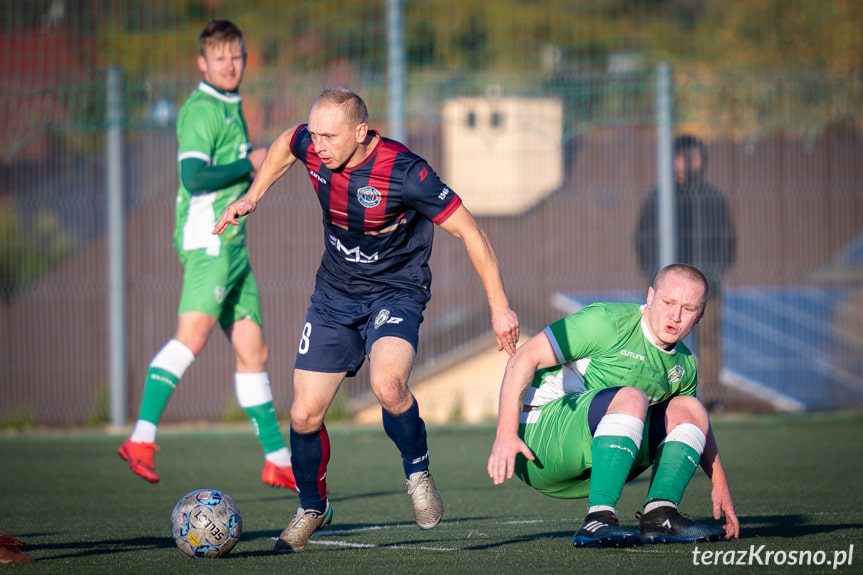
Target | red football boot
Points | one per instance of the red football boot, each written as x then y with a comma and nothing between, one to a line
142,459
279,476
10,550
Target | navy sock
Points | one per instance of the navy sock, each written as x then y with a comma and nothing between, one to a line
310,454
408,432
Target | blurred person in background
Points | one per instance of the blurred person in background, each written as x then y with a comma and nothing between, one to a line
597,397
381,203
706,239
216,166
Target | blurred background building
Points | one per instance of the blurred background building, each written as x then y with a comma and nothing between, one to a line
541,114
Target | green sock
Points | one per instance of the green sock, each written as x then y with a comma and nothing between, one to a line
266,426
613,456
159,386
673,468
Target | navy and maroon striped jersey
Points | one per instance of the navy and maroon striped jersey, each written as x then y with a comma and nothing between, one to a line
378,219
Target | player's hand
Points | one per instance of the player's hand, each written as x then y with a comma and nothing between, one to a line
506,330
723,504
238,209
501,462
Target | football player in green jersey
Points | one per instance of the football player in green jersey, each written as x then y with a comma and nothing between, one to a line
216,165
601,395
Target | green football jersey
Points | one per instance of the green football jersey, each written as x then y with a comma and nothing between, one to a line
606,345
210,127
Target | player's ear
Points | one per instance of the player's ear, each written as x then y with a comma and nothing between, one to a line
362,132
202,64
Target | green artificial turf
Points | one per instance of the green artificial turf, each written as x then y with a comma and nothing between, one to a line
796,480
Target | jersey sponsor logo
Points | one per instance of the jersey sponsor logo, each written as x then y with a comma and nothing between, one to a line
423,173
444,193
317,176
632,354
354,255
384,317
368,197
676,373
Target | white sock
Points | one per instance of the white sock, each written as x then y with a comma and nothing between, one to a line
689,434
281,457
621,425
252,389
144,432
656,504
174,357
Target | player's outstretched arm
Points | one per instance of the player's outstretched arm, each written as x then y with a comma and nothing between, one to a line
507,444
277,162
520,368
504,320
723,504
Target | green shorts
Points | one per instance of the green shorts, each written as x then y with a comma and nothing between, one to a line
558,434
223,286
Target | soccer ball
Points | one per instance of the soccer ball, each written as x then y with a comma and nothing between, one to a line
206,523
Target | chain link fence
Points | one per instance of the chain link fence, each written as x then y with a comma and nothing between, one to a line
542,117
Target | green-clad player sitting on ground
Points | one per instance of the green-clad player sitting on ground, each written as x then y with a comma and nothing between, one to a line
601,395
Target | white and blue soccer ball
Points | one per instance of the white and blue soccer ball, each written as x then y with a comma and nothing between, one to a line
206,523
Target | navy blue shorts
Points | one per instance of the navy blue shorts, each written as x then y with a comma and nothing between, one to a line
339,333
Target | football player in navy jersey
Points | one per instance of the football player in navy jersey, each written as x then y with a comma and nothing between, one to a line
380,203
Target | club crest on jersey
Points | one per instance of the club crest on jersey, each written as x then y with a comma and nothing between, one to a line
369,197
675,374
382,318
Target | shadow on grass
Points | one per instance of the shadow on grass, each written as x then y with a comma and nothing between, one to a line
334,497
105,547
788,526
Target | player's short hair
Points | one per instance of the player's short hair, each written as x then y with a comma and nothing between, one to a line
687,272
354,107
218,32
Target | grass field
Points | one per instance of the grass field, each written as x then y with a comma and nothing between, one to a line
796,482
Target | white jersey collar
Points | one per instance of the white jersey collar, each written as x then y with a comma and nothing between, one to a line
228,98
646,331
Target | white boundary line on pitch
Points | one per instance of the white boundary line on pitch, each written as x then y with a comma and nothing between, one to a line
373,546
317,539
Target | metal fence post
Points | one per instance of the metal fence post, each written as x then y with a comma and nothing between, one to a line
396,70
666,205
116,245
